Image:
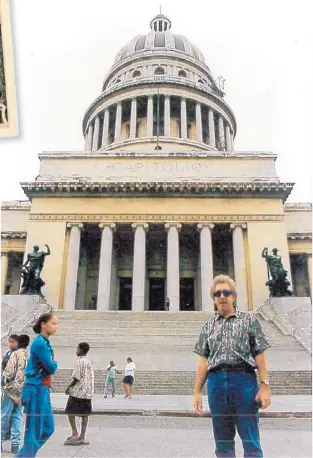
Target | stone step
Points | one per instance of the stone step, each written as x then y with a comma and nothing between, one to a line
290,382
131,316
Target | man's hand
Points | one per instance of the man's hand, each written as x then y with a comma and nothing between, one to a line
264,395
197,404
67,391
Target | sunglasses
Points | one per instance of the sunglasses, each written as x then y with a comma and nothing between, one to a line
225,293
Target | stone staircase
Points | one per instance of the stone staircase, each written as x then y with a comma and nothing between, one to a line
181,382
161,344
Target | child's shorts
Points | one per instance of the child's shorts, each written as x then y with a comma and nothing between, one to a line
78,407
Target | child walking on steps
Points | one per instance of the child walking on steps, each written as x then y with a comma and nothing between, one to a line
39,425
80,391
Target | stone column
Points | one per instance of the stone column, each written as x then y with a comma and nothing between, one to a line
232,141
86,140
206,265
309,256
72,266
172,274
211,129
199,122
150,116
96,132
90,136
118,122
133,118
221,134
167,116
139,267
105,132
183,118
105,267
240,265
4,270
228,139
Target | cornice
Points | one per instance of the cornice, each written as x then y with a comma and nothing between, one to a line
13,235
21,205
182,154
219,189
299,236
154,218
297,206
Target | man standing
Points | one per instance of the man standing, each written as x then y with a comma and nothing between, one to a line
231,346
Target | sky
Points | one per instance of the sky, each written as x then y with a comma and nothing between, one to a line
64,48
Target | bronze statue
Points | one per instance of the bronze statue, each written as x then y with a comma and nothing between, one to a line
31,270
278,283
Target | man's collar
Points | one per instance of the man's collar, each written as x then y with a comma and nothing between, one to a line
218,316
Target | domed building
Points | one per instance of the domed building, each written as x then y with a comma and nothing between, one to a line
159,201
159,90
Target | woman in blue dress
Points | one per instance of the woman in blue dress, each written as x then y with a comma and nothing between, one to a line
36,390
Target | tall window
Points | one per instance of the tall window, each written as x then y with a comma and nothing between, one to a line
159,71
136,74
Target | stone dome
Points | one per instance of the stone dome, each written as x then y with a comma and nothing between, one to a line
160,37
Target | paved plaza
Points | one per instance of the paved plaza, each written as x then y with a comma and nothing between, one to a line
143,437
173,405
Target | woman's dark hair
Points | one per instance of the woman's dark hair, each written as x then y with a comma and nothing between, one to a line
44,318
84,347
23,341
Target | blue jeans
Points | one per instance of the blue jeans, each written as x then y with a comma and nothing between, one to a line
39,419
231,397
14,412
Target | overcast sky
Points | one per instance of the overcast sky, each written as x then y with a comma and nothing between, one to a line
64,48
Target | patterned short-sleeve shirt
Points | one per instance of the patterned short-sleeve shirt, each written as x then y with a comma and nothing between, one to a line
234,340
84,373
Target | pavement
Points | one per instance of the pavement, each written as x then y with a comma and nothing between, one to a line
181,406
168,437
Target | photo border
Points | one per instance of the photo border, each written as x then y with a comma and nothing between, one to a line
10,129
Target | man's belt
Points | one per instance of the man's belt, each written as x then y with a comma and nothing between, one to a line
233,368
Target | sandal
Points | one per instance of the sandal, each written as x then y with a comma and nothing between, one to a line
72,441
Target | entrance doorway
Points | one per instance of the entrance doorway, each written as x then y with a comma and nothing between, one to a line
125,296
300,275
187,294
157,294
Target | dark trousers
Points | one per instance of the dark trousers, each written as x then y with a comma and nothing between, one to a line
39,419
232,404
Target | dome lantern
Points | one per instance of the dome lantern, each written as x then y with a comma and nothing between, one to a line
160,23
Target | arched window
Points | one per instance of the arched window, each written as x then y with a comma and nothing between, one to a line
201,81
159,71
182,74
136,74
117,81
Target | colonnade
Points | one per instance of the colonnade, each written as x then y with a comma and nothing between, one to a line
220,135
139,265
